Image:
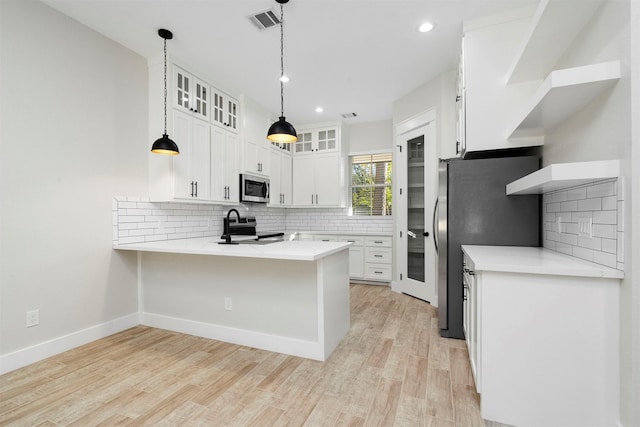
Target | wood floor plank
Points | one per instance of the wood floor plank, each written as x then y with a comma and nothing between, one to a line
439,394
385,405
391,369
415,381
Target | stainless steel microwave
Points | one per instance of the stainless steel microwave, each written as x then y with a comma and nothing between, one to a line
254,189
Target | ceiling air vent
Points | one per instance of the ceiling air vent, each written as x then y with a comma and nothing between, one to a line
348,115
265,19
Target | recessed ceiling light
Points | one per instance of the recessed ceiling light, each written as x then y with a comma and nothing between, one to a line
426,27
284,79
319,109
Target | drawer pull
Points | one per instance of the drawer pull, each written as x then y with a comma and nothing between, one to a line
378,272
378,241
378,256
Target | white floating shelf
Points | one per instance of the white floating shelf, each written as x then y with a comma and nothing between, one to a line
564,175
553,28
562,94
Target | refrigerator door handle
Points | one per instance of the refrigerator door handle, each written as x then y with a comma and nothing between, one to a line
433,225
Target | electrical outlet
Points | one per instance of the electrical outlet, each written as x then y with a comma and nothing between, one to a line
227,304
585,227
33,318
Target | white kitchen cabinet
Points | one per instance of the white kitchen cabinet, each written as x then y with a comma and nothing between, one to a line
378,256
225,112
321,139
191,168
542,333
317,180
190,94
370,256
224,165
280,177
486,104
356,255
325,238
257,154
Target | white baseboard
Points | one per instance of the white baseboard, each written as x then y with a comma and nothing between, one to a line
35,353
276,343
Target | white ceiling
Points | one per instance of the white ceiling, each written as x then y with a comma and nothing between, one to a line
344,55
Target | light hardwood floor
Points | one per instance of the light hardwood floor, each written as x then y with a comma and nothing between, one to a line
392,369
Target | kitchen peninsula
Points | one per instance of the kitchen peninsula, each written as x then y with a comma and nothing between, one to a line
290,297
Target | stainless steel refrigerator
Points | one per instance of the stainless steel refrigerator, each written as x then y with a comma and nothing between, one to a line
473,209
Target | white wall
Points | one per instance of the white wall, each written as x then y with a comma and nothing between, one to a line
438,93
630,294
603,130
74,133
371,136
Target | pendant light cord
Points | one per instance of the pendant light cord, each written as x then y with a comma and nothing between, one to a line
281,60
165,86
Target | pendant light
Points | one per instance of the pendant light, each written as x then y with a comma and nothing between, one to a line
165,145
282,131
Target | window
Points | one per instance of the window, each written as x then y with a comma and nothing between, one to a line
371,185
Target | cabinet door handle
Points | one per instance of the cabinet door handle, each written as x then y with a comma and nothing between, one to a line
316,199
191,188
312,199
196,188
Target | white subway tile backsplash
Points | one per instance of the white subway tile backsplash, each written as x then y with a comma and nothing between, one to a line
597,204
605,217
169,220
620,218
590,204
601,190
569,206
583,253
604,230
590,243
609,203
605,258
553,207
620,247
609,245
576,193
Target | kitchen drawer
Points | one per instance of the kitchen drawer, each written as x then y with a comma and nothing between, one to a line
378,241
356,240
378,255
325,238
374,271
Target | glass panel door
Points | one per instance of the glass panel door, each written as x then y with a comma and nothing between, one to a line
415,209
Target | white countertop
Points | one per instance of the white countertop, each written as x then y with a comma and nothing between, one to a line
288,250
533,260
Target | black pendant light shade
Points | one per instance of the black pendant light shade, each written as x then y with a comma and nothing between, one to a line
165,145
282,131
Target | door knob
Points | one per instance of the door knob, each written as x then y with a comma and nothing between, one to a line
425,234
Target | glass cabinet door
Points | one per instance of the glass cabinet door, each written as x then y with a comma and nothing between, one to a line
415,211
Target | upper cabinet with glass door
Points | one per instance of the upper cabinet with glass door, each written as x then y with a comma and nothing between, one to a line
322,139
190,94
225,111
